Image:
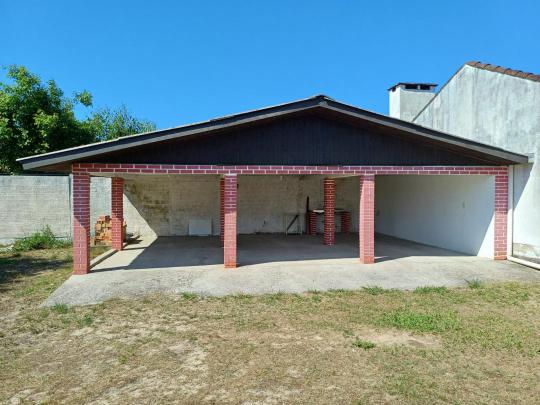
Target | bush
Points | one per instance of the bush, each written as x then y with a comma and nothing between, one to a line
363,344
43,239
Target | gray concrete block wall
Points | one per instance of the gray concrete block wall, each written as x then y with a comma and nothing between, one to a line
163,205
100,199
263,201
29,202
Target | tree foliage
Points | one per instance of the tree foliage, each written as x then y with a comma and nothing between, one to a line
37,117
110,124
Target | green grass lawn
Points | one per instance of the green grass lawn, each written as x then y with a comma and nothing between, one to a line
479,344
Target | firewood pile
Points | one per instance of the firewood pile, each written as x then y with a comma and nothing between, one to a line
103,235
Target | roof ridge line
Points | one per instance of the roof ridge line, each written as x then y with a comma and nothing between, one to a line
504,70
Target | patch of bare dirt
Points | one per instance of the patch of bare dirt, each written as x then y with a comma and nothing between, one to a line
392,337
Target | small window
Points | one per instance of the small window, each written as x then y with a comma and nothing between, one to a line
425,87
411,87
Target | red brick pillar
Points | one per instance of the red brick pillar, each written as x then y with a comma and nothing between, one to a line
329,208
221,210
367,219
117,212
312,223
500,214
81,223
345,222
229,240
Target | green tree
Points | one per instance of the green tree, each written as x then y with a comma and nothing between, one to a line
37,118
110,124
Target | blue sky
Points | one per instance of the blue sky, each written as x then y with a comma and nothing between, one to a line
183,61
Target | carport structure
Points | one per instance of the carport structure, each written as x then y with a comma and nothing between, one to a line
312,137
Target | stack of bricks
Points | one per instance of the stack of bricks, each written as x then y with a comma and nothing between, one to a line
103,235
329,211
312,223
345,222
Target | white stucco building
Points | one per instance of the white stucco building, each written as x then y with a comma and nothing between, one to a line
495,106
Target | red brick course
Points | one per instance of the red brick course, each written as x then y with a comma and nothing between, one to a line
81,223
229,242
329,214
117,212
367,219
273,169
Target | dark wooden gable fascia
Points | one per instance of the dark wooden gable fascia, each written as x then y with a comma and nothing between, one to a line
307,139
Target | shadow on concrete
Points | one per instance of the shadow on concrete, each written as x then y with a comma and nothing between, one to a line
392,248
166,252
184,251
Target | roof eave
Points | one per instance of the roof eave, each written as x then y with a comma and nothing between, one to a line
65,157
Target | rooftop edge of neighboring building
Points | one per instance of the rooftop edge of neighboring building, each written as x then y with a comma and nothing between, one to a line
418,86
504,70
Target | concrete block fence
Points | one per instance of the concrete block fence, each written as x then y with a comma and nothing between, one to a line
29,202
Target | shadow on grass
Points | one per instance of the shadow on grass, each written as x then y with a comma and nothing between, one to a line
15,268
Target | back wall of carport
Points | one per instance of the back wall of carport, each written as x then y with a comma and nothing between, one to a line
452,212
164,205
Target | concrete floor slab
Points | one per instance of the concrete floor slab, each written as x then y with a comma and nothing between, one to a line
276,263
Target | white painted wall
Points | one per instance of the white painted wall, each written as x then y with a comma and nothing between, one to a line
503,111
406,104
452,212
526,212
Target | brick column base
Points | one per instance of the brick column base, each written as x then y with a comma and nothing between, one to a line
81,223
329,211
117,212
500,217
367,219
229,241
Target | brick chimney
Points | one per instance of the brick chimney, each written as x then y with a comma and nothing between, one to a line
408,99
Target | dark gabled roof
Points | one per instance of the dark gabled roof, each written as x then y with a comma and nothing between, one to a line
321,103
504,70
